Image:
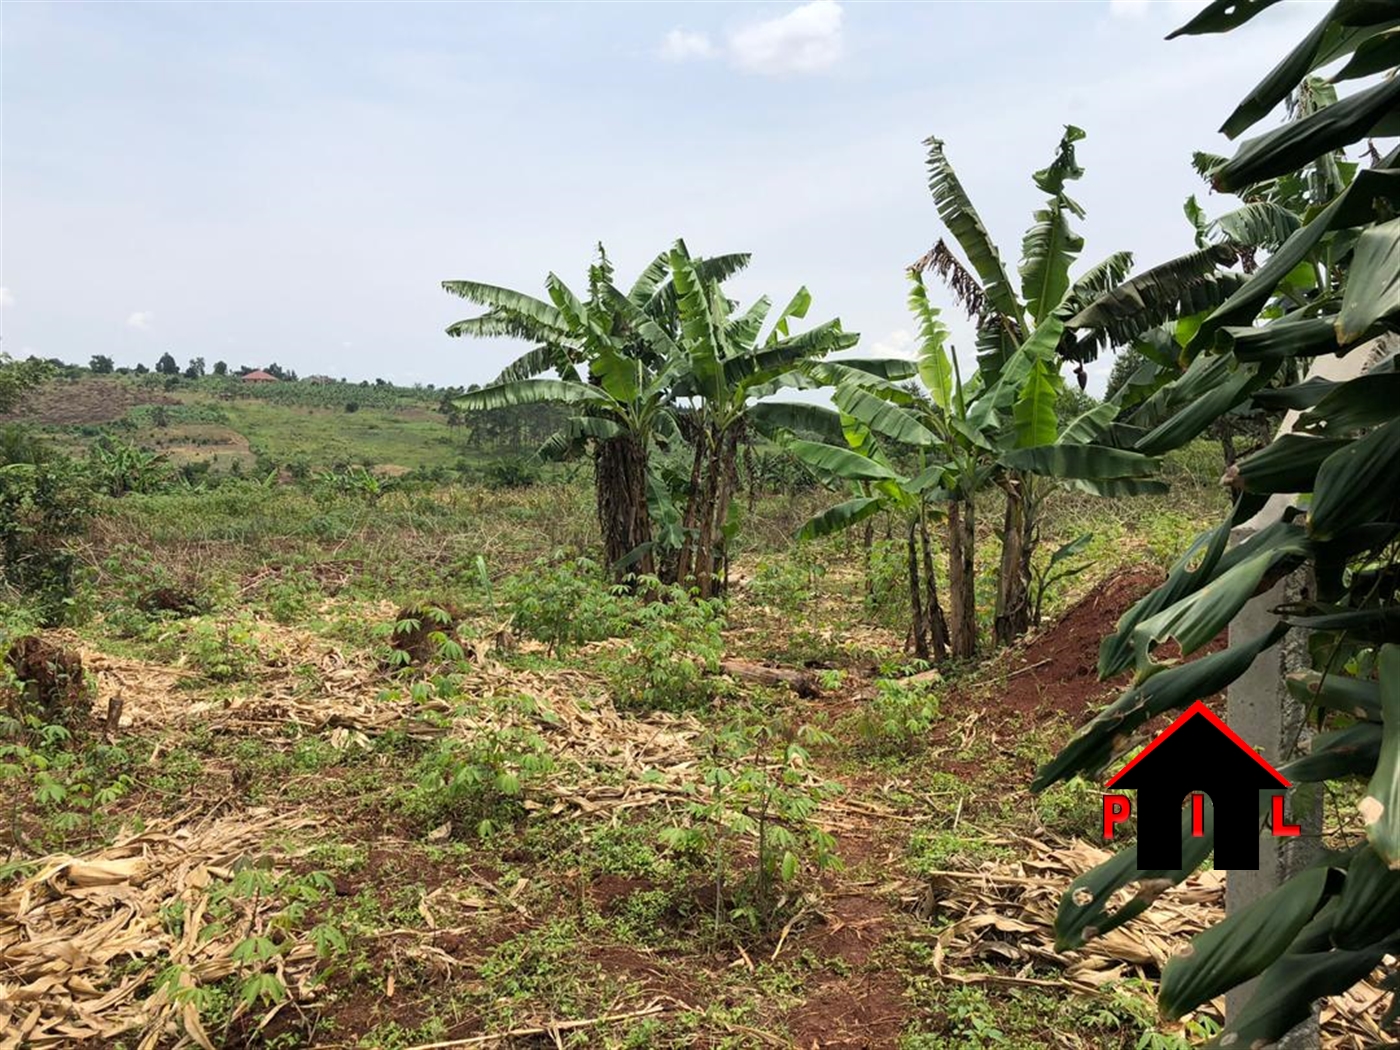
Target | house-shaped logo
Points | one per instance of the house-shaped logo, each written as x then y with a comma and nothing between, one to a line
1198,753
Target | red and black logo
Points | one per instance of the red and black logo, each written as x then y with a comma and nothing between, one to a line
1197,755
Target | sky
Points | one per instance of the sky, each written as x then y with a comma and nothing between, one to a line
290,182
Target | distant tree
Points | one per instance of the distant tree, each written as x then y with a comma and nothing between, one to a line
101,365
195,369
166,366
1128,360
221,368
380,382
18,376
140,370
275,369
243,370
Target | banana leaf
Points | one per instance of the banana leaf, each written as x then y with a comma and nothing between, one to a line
1241,946
840,517
1083,913
1089,462
1356,484
1380,809
1372,290
1094,745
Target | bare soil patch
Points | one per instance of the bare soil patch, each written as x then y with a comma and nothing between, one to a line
88,401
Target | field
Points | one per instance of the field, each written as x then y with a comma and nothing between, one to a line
299,426
398,769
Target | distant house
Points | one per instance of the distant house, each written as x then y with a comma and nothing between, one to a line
318,379
259,376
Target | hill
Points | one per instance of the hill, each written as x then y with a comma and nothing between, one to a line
223,424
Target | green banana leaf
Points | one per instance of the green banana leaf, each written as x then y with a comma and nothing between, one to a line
1220,16
883,418
1353,207
1198,618
1171,689
1083,913
1308,337
1089,462
1380,809
1033,416
1241,946
935,367
529,392
840,517
1356,484
1365,401
1372,291
1358,697
956,210
1287,989
798,417
1288,464
1190,571
1342,753
839,464
504,298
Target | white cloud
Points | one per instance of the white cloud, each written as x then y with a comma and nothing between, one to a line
899,343
1128,8
140,320
805,40
682,44
7,297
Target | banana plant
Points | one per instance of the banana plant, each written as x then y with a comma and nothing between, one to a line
614,364
1028,331
882,488
1330,925
729,363
668,361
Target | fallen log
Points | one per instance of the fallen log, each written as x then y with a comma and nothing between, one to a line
803,683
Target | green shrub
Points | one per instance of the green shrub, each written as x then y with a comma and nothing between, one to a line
565,603
672,649
480,781
899,718
46,502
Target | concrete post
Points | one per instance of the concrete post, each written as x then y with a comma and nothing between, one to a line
1261,710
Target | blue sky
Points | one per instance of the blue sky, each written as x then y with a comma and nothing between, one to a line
290,182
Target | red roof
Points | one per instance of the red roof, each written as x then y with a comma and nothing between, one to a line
1199,709
259,375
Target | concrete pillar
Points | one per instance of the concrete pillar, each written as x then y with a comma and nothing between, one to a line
1261,710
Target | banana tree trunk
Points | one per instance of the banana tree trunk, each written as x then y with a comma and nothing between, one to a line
1013,612
620,482
962,579
918,626
933,610
720,477
685,562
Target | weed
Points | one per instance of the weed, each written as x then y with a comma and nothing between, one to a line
481,781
